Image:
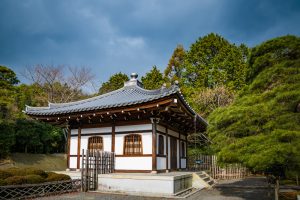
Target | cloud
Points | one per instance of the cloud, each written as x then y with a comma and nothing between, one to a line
127,36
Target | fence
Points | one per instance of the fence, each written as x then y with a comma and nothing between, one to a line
209,163
95,162
38,190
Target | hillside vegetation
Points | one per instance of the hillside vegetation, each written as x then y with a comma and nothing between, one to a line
261,129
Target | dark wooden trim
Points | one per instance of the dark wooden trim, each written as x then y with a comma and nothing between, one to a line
167,149
131,171
161,171
133,155
179,144
137,131
182,157
160,155
75,156
68,147
113,137
78,148
116,133
159,132
154,144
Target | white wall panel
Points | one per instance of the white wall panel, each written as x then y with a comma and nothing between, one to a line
134,127
73,145
183,163
96,130
173,133
182,137
73,162
74,131
133,163
161,163
161,128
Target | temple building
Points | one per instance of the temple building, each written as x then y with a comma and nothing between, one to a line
146,129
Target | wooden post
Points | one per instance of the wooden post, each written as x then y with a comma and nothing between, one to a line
68,147
179,142
167,151
113,136
78,149
154,145
277,189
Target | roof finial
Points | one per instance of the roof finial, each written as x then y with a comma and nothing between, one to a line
134,76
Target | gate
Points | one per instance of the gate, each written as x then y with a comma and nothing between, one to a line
95,162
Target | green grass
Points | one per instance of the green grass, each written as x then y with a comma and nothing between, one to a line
47,162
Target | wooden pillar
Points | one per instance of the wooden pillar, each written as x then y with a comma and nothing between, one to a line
78,148
179,142
113,137
68,147
167,151
154,145
186,153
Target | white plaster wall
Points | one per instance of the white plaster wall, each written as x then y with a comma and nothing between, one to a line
182,137
161,128
173,133
74,131
161,163
73,162
73,145
183,163
133,163
133,127
146,142
96,130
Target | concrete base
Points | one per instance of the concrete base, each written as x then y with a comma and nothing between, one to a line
162,183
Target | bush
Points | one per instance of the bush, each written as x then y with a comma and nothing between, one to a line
26,171
33,179
57,177
4,174
15,180
2,182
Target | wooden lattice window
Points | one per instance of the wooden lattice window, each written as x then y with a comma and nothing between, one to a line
95,143
133,144
161,145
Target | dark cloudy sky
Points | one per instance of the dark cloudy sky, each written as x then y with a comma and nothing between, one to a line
131,35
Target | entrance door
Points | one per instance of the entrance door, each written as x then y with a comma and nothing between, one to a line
173,147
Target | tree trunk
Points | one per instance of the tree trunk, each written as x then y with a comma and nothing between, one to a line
25,149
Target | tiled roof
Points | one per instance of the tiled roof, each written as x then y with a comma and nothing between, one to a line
126,96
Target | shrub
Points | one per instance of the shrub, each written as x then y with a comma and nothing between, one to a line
26,171
15,180
4,174
33,179
2,182
57,177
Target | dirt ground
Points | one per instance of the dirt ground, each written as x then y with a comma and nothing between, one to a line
255,188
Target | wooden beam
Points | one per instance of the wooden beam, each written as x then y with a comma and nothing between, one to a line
154,145
68,147
167,150
78,148
179,142
113,136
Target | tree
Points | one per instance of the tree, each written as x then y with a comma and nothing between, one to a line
115,82
8,80
153,79
8,77
61,84
209,99
7,138
175,68
213,61
261,128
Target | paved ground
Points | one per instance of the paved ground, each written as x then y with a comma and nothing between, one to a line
255,188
